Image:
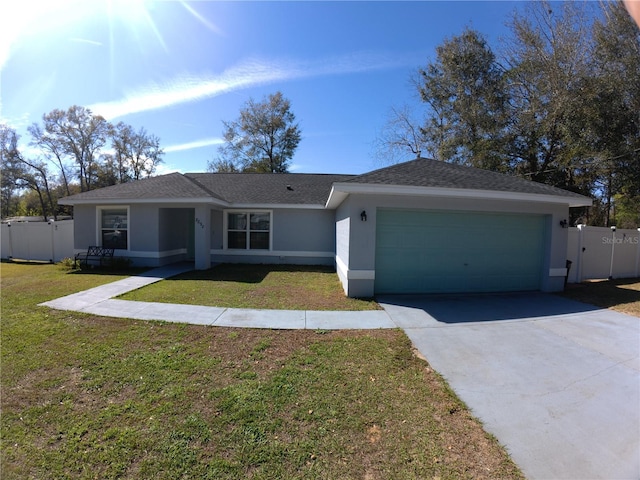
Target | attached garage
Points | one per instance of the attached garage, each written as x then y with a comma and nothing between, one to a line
426,226
421,251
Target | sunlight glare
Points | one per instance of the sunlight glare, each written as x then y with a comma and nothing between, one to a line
134,14
30,18
17,20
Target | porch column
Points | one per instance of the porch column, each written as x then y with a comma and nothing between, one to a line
202,237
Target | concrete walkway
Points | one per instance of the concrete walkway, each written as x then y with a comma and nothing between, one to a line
100,301
556,381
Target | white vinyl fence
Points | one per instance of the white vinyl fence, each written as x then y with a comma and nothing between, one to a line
600,252
47,241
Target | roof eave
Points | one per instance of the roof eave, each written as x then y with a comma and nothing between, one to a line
336,196
340,191
130,201
271,206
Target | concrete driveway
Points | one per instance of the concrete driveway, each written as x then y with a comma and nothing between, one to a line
556,381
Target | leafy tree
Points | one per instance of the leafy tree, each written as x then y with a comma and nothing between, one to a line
614,133
222,165
549,61
75,139
626,210
24,172
137,154
107,172
464,89
263,139
78,134
560,104
11,170
72,141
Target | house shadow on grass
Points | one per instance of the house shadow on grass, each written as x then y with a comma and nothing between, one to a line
109,271
455,308
20,261
247,273
607,293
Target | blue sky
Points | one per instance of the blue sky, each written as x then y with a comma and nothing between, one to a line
179,69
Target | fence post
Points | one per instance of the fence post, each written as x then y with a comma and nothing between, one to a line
579,256
638,255
10,241
613,249
53,241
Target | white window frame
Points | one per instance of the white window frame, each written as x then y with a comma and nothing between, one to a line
247,212
99,228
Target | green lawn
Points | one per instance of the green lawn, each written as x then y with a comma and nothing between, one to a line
91,397
280,287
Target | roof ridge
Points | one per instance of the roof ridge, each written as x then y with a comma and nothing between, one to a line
202,187
276,174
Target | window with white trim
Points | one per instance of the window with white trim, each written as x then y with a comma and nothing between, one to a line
114,228
249,230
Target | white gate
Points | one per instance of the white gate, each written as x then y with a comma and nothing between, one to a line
600,252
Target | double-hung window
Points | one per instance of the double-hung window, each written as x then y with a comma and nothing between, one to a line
114,227
249,230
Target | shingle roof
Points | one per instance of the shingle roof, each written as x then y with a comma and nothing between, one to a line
309,189
424,172
260,188
232,188
170,186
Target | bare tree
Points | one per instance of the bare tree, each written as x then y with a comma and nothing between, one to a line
53,150
137,154
81,135
401,137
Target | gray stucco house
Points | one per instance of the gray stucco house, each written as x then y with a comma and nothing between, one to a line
417,227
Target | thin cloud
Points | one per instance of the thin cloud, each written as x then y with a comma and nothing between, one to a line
191,88
85,40
206,142
214,28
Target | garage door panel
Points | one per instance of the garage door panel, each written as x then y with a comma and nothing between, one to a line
422,251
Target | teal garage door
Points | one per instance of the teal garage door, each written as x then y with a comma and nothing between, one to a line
420,251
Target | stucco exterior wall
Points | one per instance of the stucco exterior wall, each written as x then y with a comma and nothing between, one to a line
362,234
84,230
144,228
299,236
304,230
